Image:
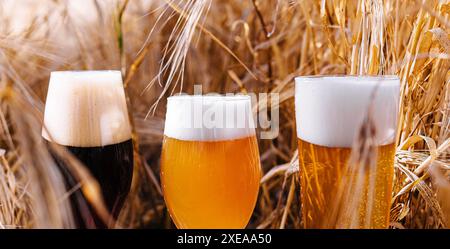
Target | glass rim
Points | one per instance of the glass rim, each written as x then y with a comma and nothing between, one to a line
62,72
390,77
107,77
218,97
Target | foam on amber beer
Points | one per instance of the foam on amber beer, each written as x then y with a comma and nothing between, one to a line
329,113
209,118
86,109
210,166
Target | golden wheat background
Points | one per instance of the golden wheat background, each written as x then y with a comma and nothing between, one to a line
166,46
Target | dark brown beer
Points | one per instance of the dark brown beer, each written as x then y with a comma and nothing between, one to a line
112,167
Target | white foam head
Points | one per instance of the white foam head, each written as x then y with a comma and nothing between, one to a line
330,109
86,109
209,118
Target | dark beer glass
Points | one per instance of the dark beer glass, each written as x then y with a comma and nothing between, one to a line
86,112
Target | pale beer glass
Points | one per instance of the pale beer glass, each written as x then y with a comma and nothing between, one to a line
330,111
210,168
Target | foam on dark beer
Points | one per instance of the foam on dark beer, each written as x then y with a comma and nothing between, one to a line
86,109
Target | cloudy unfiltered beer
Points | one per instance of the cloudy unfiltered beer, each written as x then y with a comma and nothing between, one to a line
86,112
210,172
329,113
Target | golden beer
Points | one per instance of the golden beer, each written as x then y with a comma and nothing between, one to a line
210,176
329,113
321,169
210,184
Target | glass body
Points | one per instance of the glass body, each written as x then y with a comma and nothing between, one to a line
210,173
329,114
86,113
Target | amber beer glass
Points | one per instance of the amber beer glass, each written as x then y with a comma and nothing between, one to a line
86,112
210,168
329,112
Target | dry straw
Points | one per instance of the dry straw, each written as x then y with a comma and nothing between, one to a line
229,46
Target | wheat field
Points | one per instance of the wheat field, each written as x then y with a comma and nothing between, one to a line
167,46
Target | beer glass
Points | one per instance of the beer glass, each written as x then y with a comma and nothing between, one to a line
86,112
330,111
210,168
